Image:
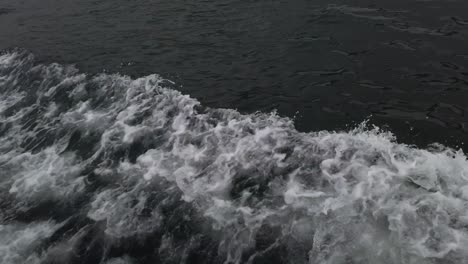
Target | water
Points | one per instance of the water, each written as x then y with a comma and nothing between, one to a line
401,63
107,162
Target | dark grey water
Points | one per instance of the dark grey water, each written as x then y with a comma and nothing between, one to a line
334,63
142,132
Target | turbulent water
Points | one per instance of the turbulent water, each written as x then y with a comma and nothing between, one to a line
109,169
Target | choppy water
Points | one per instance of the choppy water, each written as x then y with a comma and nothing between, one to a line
400,63
245,147
109,169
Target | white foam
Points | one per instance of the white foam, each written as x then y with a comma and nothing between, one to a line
356,196
44,174
123,260
18,242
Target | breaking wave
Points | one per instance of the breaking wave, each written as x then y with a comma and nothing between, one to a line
109,169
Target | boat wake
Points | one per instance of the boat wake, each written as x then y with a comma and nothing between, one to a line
109,169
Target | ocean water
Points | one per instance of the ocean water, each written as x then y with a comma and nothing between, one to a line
106,168
233,132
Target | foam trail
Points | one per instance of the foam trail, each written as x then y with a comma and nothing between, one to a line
133,171
18,241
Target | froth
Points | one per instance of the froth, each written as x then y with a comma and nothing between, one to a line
139,165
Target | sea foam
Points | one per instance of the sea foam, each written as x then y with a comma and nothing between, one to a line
110,169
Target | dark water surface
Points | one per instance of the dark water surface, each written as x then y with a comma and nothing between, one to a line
333,63
138,132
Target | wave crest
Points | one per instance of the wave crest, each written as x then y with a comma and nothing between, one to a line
137,172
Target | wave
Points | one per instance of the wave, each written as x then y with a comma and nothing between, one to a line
110,169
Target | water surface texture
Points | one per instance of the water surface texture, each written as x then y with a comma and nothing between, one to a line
330,64
233,132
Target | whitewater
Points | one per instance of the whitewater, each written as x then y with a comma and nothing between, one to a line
110,169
